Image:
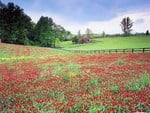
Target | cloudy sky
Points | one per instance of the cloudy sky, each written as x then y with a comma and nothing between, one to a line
98,15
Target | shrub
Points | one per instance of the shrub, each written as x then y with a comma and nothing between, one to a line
75,40
114,88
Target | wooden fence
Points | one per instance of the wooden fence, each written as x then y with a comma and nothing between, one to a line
127,50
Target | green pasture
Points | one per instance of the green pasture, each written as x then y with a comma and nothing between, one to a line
110,43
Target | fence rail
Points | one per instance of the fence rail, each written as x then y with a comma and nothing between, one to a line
127,50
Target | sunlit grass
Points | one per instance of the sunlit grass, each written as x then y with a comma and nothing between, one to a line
110,43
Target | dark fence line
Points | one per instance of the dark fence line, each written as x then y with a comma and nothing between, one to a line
127,50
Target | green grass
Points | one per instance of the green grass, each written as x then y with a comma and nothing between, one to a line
3,55
138,85
110,43
114,88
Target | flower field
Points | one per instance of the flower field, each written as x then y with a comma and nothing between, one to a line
40,80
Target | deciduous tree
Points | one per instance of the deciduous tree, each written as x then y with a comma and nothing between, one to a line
47,33
88,33
126,25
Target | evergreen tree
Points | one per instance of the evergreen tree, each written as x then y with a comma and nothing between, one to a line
15,25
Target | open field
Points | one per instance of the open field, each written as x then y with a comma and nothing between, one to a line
41,80
110,43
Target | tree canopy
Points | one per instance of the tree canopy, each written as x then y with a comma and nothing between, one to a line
17,27
47,33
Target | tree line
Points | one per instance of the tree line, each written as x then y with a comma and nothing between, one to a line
18,28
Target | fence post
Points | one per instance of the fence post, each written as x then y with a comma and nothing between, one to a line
143,50
132,50
124,50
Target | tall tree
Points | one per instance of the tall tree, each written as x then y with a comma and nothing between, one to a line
15,25
43,31
89,32
79,34
48,34
126,25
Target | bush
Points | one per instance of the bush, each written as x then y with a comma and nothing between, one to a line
75,40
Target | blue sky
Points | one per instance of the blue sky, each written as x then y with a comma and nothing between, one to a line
79,14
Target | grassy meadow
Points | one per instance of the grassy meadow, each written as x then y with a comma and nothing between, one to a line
110,43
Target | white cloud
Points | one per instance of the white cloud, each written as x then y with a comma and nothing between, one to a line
111,26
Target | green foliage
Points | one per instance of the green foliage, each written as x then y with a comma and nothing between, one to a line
138,85
97,91
114,88
73,67
120,110
66,71
15,25
58,69
57,42
48,34
145,80
68,37
94,82
120,61
3,55
42,31
96,109
135,86
42,107
59,95
75,40
76,108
